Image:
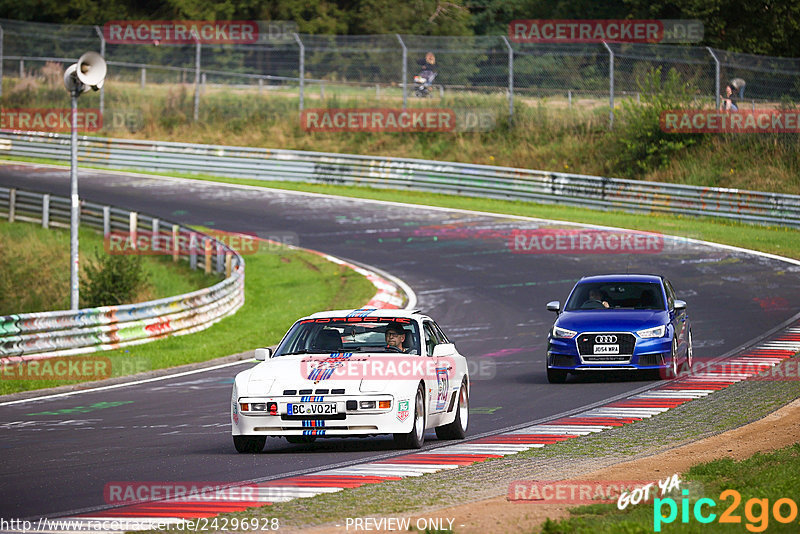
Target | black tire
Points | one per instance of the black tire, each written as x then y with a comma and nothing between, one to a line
249,444
301,439
672,371
689,354
556,376
458,428
416,438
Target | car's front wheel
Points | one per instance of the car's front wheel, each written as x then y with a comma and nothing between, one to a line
416,438
556,376
249,444
458,428
672,371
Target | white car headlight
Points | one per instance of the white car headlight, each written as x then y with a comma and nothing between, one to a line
563,333
652,332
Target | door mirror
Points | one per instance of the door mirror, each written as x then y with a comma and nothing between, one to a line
263,354
444,349
554,306
680,305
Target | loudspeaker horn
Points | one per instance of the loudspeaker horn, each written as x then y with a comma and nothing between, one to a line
91,70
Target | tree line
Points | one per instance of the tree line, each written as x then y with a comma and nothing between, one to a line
766,27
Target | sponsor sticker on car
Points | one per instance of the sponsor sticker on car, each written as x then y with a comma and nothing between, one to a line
403,410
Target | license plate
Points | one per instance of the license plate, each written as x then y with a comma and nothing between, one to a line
606,349
308,408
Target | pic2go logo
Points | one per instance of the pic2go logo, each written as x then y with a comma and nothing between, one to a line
756,511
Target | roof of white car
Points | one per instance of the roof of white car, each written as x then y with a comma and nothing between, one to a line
367,312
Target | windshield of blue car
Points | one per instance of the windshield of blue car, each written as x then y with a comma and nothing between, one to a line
349,334
615,296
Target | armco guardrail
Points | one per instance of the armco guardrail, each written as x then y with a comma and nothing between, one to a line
440,177
61,333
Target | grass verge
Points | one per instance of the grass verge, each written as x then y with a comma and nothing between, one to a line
281,285
748,490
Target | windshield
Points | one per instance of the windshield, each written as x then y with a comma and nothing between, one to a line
351,334
616,295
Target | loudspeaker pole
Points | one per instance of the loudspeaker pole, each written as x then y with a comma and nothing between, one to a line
88,73
75,212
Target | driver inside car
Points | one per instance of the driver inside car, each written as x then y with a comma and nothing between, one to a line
395,336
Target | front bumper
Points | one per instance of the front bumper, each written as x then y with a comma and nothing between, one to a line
350,418
648,354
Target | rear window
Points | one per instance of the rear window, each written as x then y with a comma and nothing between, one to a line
616,295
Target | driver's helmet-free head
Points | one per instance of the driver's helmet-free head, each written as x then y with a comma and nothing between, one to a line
396,328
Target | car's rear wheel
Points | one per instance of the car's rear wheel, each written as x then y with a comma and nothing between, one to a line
416,438
249,444
301,439
458,428
556,376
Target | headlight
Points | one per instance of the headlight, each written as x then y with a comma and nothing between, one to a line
563,333
653,332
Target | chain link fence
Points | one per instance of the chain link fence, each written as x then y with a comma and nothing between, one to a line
313,71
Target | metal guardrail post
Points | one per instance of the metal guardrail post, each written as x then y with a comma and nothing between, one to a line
193,251
45,211
156,238
106,221
510,79
102,53
197,80
716,76
143,78
302,73
405,71
610,86
12,204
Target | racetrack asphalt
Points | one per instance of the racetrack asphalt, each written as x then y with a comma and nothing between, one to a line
59,454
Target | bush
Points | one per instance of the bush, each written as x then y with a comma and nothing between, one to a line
111,280
639,143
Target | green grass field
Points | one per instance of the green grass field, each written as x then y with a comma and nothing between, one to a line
747,491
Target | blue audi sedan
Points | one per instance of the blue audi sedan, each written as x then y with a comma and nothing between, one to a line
619,322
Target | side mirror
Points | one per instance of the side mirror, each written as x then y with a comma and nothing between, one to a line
263,354
444,349
680,305
554,306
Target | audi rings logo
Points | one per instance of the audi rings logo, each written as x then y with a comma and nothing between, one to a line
605,339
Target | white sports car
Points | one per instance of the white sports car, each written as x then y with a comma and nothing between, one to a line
354,373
